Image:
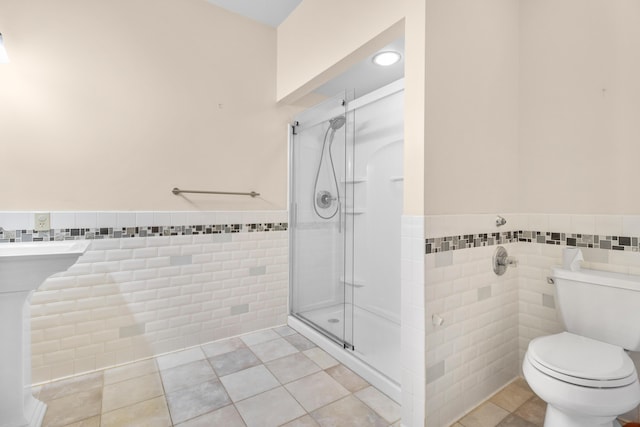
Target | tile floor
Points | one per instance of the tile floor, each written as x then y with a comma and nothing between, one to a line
514,406
274,377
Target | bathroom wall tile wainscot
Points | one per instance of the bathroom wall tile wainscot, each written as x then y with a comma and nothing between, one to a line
143,289
157,282
413,314
472,333
459,250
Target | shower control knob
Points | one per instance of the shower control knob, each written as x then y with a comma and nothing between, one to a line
501,260
324,199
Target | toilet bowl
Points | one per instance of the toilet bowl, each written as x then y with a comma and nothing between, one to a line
585,374
585,382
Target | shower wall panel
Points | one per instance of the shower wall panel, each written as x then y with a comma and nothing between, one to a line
377,206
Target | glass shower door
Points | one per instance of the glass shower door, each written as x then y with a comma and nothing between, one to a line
346,195
321,165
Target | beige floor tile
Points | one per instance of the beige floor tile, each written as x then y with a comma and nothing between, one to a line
188,375
348,412
132,370
227,417
514,421
306,421
172,360
320,357
299,342
521,382
533,410
152,413
292,367
249,382
89,422
221,347
200,399
273,349
485,415
379,402
58,389
234,361
73,408
316,390
349,379
258,411
511,397
284,331
259,337
131,391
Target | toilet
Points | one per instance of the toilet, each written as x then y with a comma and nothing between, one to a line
585,374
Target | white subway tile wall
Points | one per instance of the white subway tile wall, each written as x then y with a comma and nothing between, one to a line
471,355
131,298
474,351
413,326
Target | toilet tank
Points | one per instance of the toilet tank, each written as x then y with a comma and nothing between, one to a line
601,305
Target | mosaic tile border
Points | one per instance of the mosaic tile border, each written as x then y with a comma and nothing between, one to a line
11,236
465,241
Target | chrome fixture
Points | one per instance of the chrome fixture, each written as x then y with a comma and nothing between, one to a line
500,221
501,260
177,191
324,199
337,122
4,58
551,280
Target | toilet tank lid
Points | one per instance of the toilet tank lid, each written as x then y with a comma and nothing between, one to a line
581,357
597,277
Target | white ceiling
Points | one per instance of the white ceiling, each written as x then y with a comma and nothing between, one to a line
270,12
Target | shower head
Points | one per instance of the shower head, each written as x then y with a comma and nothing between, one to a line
337,122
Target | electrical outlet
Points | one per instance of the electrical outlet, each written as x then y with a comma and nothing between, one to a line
42,221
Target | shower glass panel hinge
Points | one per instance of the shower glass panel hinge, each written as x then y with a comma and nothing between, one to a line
294,127
349,346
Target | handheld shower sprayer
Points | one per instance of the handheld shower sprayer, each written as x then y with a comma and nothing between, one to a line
324,199
337,122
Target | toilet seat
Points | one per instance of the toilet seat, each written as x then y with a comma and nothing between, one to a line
581,361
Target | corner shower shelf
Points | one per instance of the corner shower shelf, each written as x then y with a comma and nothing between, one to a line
354,180
355,212
396,178
355,283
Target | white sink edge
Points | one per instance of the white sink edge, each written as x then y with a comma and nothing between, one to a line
28,249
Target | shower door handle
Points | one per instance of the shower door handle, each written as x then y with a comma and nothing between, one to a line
294,214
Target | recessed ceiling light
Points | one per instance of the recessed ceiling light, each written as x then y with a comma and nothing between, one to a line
386,58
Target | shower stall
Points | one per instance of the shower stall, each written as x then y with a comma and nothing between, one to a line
346,185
